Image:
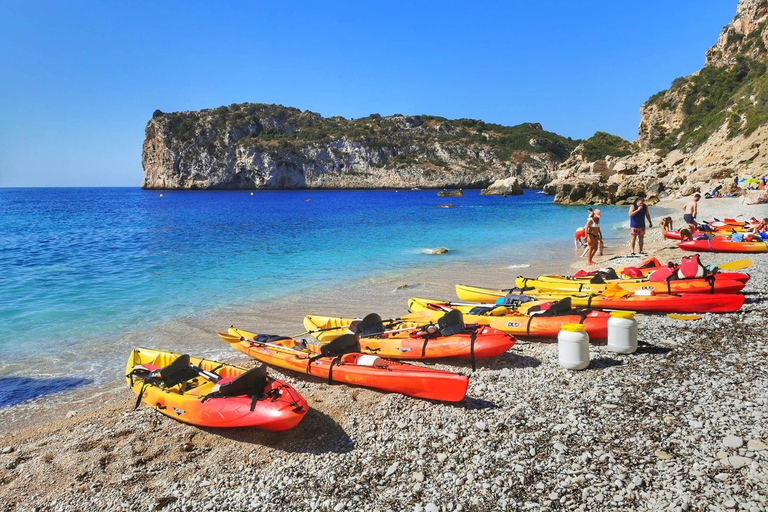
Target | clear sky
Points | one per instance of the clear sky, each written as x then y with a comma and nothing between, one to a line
79,80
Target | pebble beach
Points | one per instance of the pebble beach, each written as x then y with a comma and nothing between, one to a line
682,424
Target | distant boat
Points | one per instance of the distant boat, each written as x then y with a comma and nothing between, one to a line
415,188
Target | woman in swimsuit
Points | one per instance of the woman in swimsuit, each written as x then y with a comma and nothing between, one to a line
592,228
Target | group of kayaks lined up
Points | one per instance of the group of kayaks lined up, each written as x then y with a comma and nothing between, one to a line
729,236
371,351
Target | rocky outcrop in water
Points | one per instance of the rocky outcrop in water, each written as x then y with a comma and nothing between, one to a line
251,146
505,187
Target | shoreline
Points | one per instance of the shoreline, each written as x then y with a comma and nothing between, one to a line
638,420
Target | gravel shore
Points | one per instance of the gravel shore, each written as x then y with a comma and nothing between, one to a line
680,425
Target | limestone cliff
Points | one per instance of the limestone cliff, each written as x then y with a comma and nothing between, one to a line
252,146
706,129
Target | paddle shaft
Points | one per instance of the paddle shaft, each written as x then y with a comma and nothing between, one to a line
406,318
270,345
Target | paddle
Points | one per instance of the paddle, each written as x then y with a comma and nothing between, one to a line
683,317
420,316
736,265
231,339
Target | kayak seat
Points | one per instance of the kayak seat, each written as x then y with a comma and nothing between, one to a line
344,344
270,338
514,299
559,308
180,370
251,383
371,325
451,323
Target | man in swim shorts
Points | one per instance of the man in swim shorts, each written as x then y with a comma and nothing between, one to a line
638,212
690,210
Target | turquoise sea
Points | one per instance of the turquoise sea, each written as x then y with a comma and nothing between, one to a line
81,264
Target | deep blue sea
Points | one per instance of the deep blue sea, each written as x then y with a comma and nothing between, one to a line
78,264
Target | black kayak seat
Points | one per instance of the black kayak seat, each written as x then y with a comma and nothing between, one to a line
561,307
251,383
344,344
371,325
180,370
451,323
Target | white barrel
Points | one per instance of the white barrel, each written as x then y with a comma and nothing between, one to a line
622,332
573,347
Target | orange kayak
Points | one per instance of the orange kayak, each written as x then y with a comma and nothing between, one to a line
210,394
411,343
514,321
355,368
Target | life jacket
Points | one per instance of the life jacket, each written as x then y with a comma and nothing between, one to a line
691,267
664,274
632,272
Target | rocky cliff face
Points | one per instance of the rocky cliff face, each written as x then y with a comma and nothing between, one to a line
252,146
745,36
706,129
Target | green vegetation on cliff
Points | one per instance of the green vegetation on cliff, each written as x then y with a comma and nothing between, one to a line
736,94
603,144
407,138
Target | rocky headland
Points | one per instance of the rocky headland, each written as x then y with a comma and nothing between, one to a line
258,146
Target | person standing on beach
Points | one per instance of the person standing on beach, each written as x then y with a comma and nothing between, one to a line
592,228
690,210
638,212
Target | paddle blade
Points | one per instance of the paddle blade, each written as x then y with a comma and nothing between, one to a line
683,317
736,265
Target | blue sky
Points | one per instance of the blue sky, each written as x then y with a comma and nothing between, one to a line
80,80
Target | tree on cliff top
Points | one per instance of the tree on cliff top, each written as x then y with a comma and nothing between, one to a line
603,144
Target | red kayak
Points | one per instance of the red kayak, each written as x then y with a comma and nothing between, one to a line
697,235
724,245
210,394
652,265
352,368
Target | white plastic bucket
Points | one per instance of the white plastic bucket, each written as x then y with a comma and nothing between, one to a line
622,332
573,347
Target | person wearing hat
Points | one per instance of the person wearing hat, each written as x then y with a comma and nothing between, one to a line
592,228
638,212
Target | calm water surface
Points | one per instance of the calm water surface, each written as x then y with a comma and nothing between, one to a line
78,263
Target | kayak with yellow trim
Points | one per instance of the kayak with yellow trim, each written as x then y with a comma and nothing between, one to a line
210,394
698,285
353,368
616,297
646,269
519,321
409,340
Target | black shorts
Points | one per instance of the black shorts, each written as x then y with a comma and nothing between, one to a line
687,217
